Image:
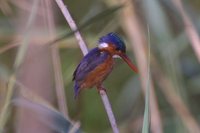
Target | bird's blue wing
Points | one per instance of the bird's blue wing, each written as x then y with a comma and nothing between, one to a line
94,58
89,63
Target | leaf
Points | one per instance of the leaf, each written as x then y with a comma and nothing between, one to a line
146,120
48,115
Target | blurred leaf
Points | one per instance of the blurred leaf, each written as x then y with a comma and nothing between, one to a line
49,116
146,119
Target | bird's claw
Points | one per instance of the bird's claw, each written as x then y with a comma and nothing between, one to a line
100,89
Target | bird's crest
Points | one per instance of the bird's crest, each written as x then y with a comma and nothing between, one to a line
114,39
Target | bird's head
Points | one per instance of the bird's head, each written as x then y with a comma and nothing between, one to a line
114,45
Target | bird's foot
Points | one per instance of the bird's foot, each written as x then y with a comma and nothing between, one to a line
101,89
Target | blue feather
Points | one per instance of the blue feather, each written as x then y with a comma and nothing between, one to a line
87,65
76,89
113,38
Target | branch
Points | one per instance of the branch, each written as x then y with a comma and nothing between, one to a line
73,26
84,50
108,108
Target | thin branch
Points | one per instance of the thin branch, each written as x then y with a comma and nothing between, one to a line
73,26
84,49
108,109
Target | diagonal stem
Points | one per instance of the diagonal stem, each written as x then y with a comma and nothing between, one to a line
189,28
132,27
60,91
84,50
108,109
73,26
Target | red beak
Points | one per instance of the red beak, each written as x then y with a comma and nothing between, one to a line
128,61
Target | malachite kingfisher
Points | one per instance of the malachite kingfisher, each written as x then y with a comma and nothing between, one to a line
98,63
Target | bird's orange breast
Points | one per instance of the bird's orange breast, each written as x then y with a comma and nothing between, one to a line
99,74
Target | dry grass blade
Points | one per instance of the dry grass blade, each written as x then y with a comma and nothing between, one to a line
174,99
18,61
8,47
5,110
146,121
56,62
133,30
189,27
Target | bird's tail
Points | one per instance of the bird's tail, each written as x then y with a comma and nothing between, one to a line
76,90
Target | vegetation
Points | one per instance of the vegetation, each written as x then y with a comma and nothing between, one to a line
39,53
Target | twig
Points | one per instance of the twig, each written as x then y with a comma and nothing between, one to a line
84,49
189,27
108,108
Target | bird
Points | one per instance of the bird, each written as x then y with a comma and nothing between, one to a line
98,63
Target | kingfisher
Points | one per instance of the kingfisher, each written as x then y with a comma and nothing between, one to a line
95,67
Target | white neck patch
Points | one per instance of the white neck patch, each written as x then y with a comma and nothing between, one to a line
103,45
116,56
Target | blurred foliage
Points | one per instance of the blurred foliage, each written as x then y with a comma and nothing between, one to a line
169,44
